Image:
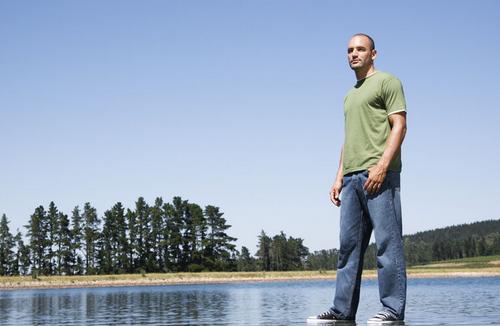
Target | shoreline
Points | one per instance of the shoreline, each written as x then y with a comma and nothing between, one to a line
126,280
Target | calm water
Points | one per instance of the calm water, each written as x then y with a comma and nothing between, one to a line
451,301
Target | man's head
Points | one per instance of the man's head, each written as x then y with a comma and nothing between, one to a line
361,52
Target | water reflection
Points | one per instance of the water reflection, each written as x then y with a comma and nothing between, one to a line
430,302
155,305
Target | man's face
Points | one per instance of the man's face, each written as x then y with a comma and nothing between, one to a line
359,53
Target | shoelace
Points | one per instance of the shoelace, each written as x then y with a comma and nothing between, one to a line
383,315
326,314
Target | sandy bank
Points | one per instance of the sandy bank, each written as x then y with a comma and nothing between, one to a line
48,282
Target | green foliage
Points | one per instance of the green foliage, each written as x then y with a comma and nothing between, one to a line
245,262
76,245
113,244
281,253
453,242
323,260
6,248
177,236
462,263
141,242
174,224
23,261
156,258
51,226
181,236
193,222
91,235
37,231
218,250
264,252
195,268
63,242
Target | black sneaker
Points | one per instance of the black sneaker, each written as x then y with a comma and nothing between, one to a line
328,317
385,317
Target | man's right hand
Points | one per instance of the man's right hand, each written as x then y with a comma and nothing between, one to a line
335,192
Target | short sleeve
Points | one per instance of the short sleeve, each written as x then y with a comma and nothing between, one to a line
393,96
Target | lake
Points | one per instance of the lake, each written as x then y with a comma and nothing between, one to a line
434,301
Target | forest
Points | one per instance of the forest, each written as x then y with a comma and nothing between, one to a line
181,236
164,237
452,242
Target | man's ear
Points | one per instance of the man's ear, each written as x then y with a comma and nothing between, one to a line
374,54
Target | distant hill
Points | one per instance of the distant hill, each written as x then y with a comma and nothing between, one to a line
462,231
452,242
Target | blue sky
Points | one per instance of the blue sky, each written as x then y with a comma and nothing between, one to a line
238,104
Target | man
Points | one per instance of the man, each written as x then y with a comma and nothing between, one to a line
368,177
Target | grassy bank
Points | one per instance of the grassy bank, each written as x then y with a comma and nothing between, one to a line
487,265
466,263
477,266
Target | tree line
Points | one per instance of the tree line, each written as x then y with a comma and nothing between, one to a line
276,253
163,237
181,236
453,242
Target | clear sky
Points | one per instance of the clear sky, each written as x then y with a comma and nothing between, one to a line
238,104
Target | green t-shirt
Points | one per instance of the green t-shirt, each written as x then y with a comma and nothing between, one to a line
366,109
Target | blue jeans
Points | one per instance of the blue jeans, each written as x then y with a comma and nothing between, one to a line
361,214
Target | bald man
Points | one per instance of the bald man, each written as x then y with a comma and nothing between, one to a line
369,180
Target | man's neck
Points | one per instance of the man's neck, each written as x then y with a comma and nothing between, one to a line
363,73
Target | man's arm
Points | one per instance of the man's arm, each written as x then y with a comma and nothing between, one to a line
377,173
337,185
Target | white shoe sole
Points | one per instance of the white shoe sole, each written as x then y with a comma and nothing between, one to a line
314,320
385,322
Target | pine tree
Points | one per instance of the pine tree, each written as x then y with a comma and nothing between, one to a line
6,248
106,245
91,236
77,243
263,252
22,254
37,231
143,227
296,253
245,262
194,233
51,226
188,240
114,243
64,252
166,236
201,230
121,238
132,240
278,253
175,224
218,243
15,265
157,226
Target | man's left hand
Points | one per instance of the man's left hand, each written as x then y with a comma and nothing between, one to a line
376,176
